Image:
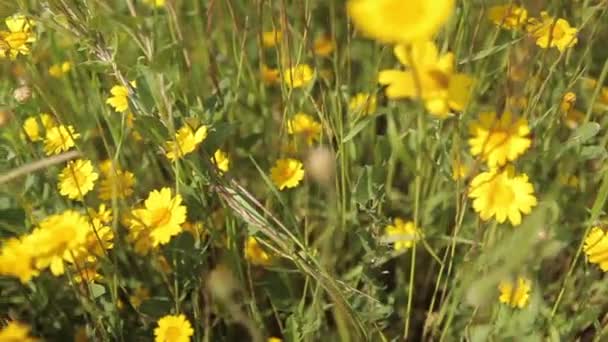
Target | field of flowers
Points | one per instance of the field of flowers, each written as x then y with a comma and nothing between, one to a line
307,170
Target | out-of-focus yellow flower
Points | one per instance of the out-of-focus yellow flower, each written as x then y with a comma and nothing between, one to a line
568,180
221,160
274,339
568,102
16,260
77,179
59,139
430,77
16,332
271,38
186,141
103,214
255,254
20,33
402,233
154,3
502,194
173,328
550,32
287,173
306,126
573,118
298,76
399,21
270,75
60,69
120,97
514,294
498,140
114,182
32,126
508,16
323,46
596,247
140,295
363,104
459,169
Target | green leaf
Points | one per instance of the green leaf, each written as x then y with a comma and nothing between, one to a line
358,127
593,152
155,307
583,133
97,290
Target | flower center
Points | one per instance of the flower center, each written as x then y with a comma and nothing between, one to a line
172,334
502,194
160,217
496,140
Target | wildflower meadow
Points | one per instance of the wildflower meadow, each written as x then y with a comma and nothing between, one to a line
304,170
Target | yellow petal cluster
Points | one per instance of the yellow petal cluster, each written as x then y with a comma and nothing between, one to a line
35,127
508,16
77,179
551,32
114,182
186,141
16,40
363,104
515,294
304,125
401,233
173,328
287,173
255,254
596,247
59,139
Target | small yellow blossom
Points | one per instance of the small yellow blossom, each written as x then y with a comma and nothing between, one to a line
502,194
401,233
399,21
549,32
154,3
16,260
32,126
77,179
186,141
160,219
429,76
140,295
306,126
270,75
120,97
508,16
15,41
573,118
323,46
568,102
514,294
498,140
298,76
59,139
173,328
287,173
274,339
115,182
568,180
363,104
16,332
103,214
221,160
271,38
459,170
255,254
596,247
58,70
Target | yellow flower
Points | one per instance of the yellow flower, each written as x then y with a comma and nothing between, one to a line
77,179
173,328
86,274
568,102
596,247
363,104
399,21
186,141
430,77
59,139
271,38
515,295
58,70
323,46
298,76
269,75
573,118
16,332
14,41
114,182
154,3
56,237
401,233
221,160
274,339
16,260
568,180
159,220
32,125
499,140
140,295
287,173
502,194
551,33
508,16
255,254
305,125
103,214
120,97
459,170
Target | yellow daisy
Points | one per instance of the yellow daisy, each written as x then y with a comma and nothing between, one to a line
186,141
103,214
502,194
16,332
287,173
298,76
58,70
508,16
270,75
120,97
32,126
399,21
77,179
20,33
363,104
596,247
59,139
551,33
305,125
323,46
498,140
271,38
514,294
115,182
255,254
221,160
173,328
160,219
402,233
